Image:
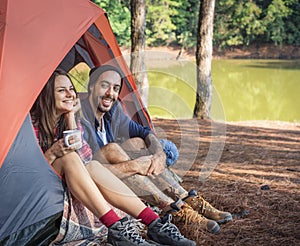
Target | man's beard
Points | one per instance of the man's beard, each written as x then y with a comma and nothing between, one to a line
101,108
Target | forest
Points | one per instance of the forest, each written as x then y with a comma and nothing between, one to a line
236,22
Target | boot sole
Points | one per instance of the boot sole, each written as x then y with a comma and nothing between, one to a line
225,220
215,230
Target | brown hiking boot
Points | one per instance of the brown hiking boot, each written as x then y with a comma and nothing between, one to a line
198,203
188,216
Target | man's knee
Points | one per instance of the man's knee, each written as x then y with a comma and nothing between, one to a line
111,153
111,147
134,144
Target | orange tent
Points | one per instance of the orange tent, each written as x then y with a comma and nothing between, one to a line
35,38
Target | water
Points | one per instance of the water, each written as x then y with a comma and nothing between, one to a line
243,90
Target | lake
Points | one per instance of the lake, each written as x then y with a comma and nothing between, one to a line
242,89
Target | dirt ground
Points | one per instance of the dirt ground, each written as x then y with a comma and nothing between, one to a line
251,169
255,175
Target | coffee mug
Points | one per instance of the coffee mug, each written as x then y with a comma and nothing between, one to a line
75,134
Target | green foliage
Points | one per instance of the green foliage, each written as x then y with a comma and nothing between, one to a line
274,21
159,27
236,22
186,24
119,17
292,24
244,22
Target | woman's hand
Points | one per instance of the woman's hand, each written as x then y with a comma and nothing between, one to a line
77,105
57,150
70,116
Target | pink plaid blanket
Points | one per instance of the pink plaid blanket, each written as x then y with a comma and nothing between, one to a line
79,226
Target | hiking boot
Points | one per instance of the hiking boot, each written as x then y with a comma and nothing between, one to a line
198,203
125,233
164,232
189,216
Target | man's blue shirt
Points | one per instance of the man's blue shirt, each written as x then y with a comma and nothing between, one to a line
119,127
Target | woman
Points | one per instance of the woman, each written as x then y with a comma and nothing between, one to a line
91,183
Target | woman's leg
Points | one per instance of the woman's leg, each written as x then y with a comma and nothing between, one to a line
119,195
114,190
80,183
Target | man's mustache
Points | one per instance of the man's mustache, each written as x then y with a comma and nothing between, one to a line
106,97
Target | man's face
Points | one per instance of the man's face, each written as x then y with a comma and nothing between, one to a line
106,91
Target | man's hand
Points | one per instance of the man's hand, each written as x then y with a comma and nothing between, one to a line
158,164
159,157
143,164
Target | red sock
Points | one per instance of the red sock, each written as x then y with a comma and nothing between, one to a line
109,218
147,216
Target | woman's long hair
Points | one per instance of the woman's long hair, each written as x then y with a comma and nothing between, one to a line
43,113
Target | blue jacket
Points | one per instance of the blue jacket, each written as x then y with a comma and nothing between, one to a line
119,127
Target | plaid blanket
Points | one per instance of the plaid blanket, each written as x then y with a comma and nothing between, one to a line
79,226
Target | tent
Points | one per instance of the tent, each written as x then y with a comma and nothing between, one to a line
35,38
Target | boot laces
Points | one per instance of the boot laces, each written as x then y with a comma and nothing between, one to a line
130,231
171,230
204,205
190,214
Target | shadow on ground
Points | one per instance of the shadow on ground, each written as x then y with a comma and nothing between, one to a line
257,179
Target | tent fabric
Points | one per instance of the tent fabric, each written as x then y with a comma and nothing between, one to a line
101,51
35,38
41,233
30,190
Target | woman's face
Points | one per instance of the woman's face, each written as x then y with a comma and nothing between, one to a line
64,94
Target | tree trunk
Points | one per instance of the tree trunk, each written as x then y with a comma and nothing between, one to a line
204,58
137,62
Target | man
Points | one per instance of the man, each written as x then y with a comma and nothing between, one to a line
135,154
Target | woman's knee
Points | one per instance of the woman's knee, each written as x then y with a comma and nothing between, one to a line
70,160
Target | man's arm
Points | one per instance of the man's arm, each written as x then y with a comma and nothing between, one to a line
117,160
129,168
151,141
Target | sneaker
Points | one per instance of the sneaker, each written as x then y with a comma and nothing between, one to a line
188,216
164,232
198,203
125,233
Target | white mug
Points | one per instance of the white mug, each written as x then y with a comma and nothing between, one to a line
75,134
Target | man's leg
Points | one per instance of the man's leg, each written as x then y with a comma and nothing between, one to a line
111,153
144,187
135,147
167,183
162,190
141,185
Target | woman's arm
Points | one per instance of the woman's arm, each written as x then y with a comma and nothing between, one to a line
70,116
